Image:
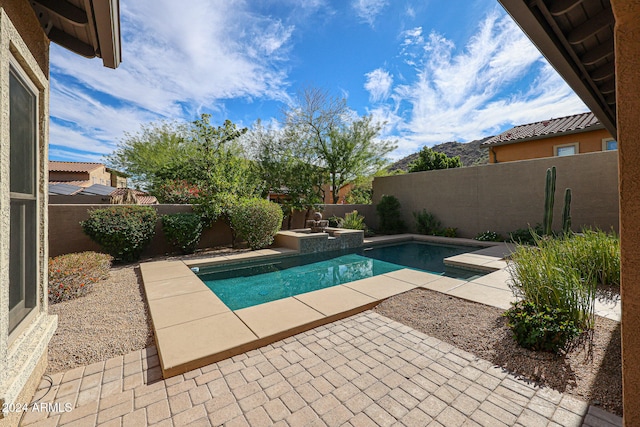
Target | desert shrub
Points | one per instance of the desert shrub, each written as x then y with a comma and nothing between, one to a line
450,232
71,275
542,327
488,236
256,220
352,221
526,236
427,223
388,210
122,231
334,221
183,230
596,255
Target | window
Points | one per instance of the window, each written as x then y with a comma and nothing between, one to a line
565,150
609,144
23,116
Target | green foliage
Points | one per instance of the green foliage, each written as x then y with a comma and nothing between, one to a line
596,254
256,220
489,236
388,210
427,223
144,154
431,160
286,167
549,194
359,195
177,191
526,236
122,231
542,327
554,274
183,230
334,221
450,232
352,221
346,148
566,212
72,275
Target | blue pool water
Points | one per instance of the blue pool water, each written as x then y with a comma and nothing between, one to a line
249,284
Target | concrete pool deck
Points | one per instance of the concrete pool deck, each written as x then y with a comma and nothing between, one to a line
194,328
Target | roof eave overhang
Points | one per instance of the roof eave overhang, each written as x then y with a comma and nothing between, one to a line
106,16
551,49
90,28
598,126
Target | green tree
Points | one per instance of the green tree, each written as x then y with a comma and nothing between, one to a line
144,154
346,146
431,160
286,167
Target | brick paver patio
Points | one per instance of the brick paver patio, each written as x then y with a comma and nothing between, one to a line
366,370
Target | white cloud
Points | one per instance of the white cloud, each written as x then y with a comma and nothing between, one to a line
176,60
378,84
368,10
466,94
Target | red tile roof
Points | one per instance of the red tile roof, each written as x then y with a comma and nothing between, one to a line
73,166
547,128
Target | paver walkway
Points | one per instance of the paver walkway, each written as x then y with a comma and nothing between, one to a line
365,370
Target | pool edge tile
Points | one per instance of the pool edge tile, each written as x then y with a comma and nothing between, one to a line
332,301
380,287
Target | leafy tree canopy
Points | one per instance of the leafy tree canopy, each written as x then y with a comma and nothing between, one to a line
431,160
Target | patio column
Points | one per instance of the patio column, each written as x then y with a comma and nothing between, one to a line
627,51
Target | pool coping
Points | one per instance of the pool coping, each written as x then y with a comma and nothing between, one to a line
194,328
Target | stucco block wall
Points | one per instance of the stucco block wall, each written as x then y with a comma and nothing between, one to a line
24,20
66,235
507,196
589,142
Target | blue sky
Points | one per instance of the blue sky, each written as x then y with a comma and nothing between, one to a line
433,71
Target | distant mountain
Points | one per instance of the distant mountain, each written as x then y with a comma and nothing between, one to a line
470,154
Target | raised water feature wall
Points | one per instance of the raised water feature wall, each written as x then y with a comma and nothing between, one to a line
304,241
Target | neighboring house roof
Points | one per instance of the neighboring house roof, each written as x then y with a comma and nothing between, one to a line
65,189
90,28
576,37
547,128
85,167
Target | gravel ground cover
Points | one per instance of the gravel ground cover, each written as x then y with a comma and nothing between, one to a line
112,320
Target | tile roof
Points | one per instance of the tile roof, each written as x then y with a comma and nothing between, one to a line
547,128
73,166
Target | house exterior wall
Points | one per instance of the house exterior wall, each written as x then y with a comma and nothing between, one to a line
589,142
22,352
99,175
627,54
508,196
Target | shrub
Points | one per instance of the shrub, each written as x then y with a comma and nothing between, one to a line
488,236
526,236
183,230
256,220
550,275
542,327
123,231
352,221
450,232
427,223
388,210
334,221
71,275
596,255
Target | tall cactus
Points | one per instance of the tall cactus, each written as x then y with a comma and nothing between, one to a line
566,212
549,193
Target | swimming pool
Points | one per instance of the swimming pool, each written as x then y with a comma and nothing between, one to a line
248,284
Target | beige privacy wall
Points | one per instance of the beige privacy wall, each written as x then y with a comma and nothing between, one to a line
506,196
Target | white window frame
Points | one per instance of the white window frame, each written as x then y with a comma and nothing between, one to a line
575,145
605,141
